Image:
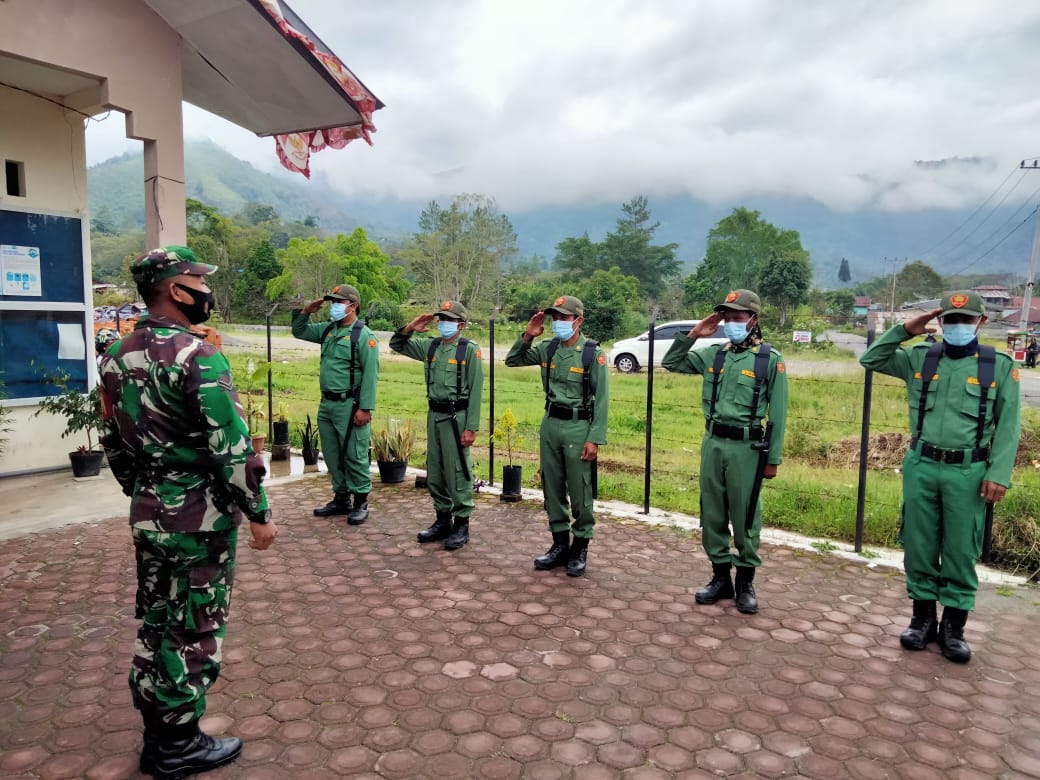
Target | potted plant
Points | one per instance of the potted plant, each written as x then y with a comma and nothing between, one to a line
309,439
392,446
82,412
252,402
280,428
506,433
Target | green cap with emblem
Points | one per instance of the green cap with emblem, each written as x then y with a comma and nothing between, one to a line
344,292
567,304
166,261
741,300
963,302
452,310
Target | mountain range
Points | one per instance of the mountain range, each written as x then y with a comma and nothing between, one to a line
872,241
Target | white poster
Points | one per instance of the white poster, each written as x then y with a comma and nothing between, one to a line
802,337
70,341
20,270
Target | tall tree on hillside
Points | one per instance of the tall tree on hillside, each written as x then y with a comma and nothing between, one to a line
250,290
459,251
629,248
918,281
844,273
785,280
740,246
209,233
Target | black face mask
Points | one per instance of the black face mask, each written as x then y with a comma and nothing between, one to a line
201,305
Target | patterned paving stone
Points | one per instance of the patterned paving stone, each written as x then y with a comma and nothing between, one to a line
353,652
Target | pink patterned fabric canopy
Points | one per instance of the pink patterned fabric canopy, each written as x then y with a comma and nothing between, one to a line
294,149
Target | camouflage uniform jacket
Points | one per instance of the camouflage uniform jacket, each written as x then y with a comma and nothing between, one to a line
174,432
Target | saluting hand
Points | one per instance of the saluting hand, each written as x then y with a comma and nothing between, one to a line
706,327
919,325
420,323
535,326
313,306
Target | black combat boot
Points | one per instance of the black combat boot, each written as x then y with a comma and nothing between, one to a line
745,590
459,534
578,558
359,514
439,530
339,505
720,587
557,554
922,628
181,751
951,635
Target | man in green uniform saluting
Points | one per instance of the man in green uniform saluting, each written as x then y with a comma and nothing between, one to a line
574,377
964,415
454,382
348,376
177,443
744,382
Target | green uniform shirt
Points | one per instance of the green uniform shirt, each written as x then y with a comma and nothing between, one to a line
566,378
443,373
952,408
334,375
736,387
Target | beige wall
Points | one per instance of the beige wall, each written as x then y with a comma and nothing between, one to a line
138,58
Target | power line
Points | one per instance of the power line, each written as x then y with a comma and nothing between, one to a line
972,215
1001,241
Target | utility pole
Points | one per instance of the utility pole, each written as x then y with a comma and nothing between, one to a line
1027,298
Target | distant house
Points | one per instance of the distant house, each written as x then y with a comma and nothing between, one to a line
861,306
1013,315
996,297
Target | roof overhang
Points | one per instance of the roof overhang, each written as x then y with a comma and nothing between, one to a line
238,64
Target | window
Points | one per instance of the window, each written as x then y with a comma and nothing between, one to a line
14,174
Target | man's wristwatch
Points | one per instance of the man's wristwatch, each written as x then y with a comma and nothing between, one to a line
261,518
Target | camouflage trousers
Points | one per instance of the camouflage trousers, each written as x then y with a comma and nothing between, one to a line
183,593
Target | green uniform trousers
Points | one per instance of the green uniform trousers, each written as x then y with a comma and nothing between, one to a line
349,466
727,476
941,530
451,490
566,478
183,595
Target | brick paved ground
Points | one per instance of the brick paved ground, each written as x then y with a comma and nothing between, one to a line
354,652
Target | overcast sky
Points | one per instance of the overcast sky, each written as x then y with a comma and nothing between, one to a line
545,102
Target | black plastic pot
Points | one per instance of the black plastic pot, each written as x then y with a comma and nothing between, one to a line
281,432
310,456
511,478
86,464
391,471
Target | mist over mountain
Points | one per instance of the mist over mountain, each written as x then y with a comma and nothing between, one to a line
215,176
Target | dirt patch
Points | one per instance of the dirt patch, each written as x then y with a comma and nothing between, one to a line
884,451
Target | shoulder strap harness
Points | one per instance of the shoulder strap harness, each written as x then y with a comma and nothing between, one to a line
761,370
460,361
355,335
987,358
588,354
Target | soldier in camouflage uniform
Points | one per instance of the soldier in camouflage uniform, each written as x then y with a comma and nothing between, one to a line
453,389
177,443
574,377
347,378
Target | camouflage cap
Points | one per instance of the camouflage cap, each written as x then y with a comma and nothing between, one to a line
452,310
963,302
344,292
166,261
567,304
741,300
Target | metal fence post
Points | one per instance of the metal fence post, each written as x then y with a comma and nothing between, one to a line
491,397
864,439
270,380
649,412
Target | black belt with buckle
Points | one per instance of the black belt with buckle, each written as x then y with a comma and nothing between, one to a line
951,457
560,412
328,395
733,432
448,407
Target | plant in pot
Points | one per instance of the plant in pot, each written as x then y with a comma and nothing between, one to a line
392,446
310,443
280,428
506,433
82,413
253,402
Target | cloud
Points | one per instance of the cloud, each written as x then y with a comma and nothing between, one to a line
544,102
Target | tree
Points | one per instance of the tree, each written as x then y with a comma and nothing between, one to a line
459,251
841,305
250,290
606,295
209,233
844,274
785,280
740,246
918,281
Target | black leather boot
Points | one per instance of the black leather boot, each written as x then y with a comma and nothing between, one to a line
578,558
359,514
922,628
951,635
557,554
339,505
439,530
745,590
720,587
177,754
459,534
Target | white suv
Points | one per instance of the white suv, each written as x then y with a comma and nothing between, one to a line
632,354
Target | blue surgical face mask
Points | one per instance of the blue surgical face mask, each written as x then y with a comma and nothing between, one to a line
736,332
563,329
337,311
448,328
959,334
